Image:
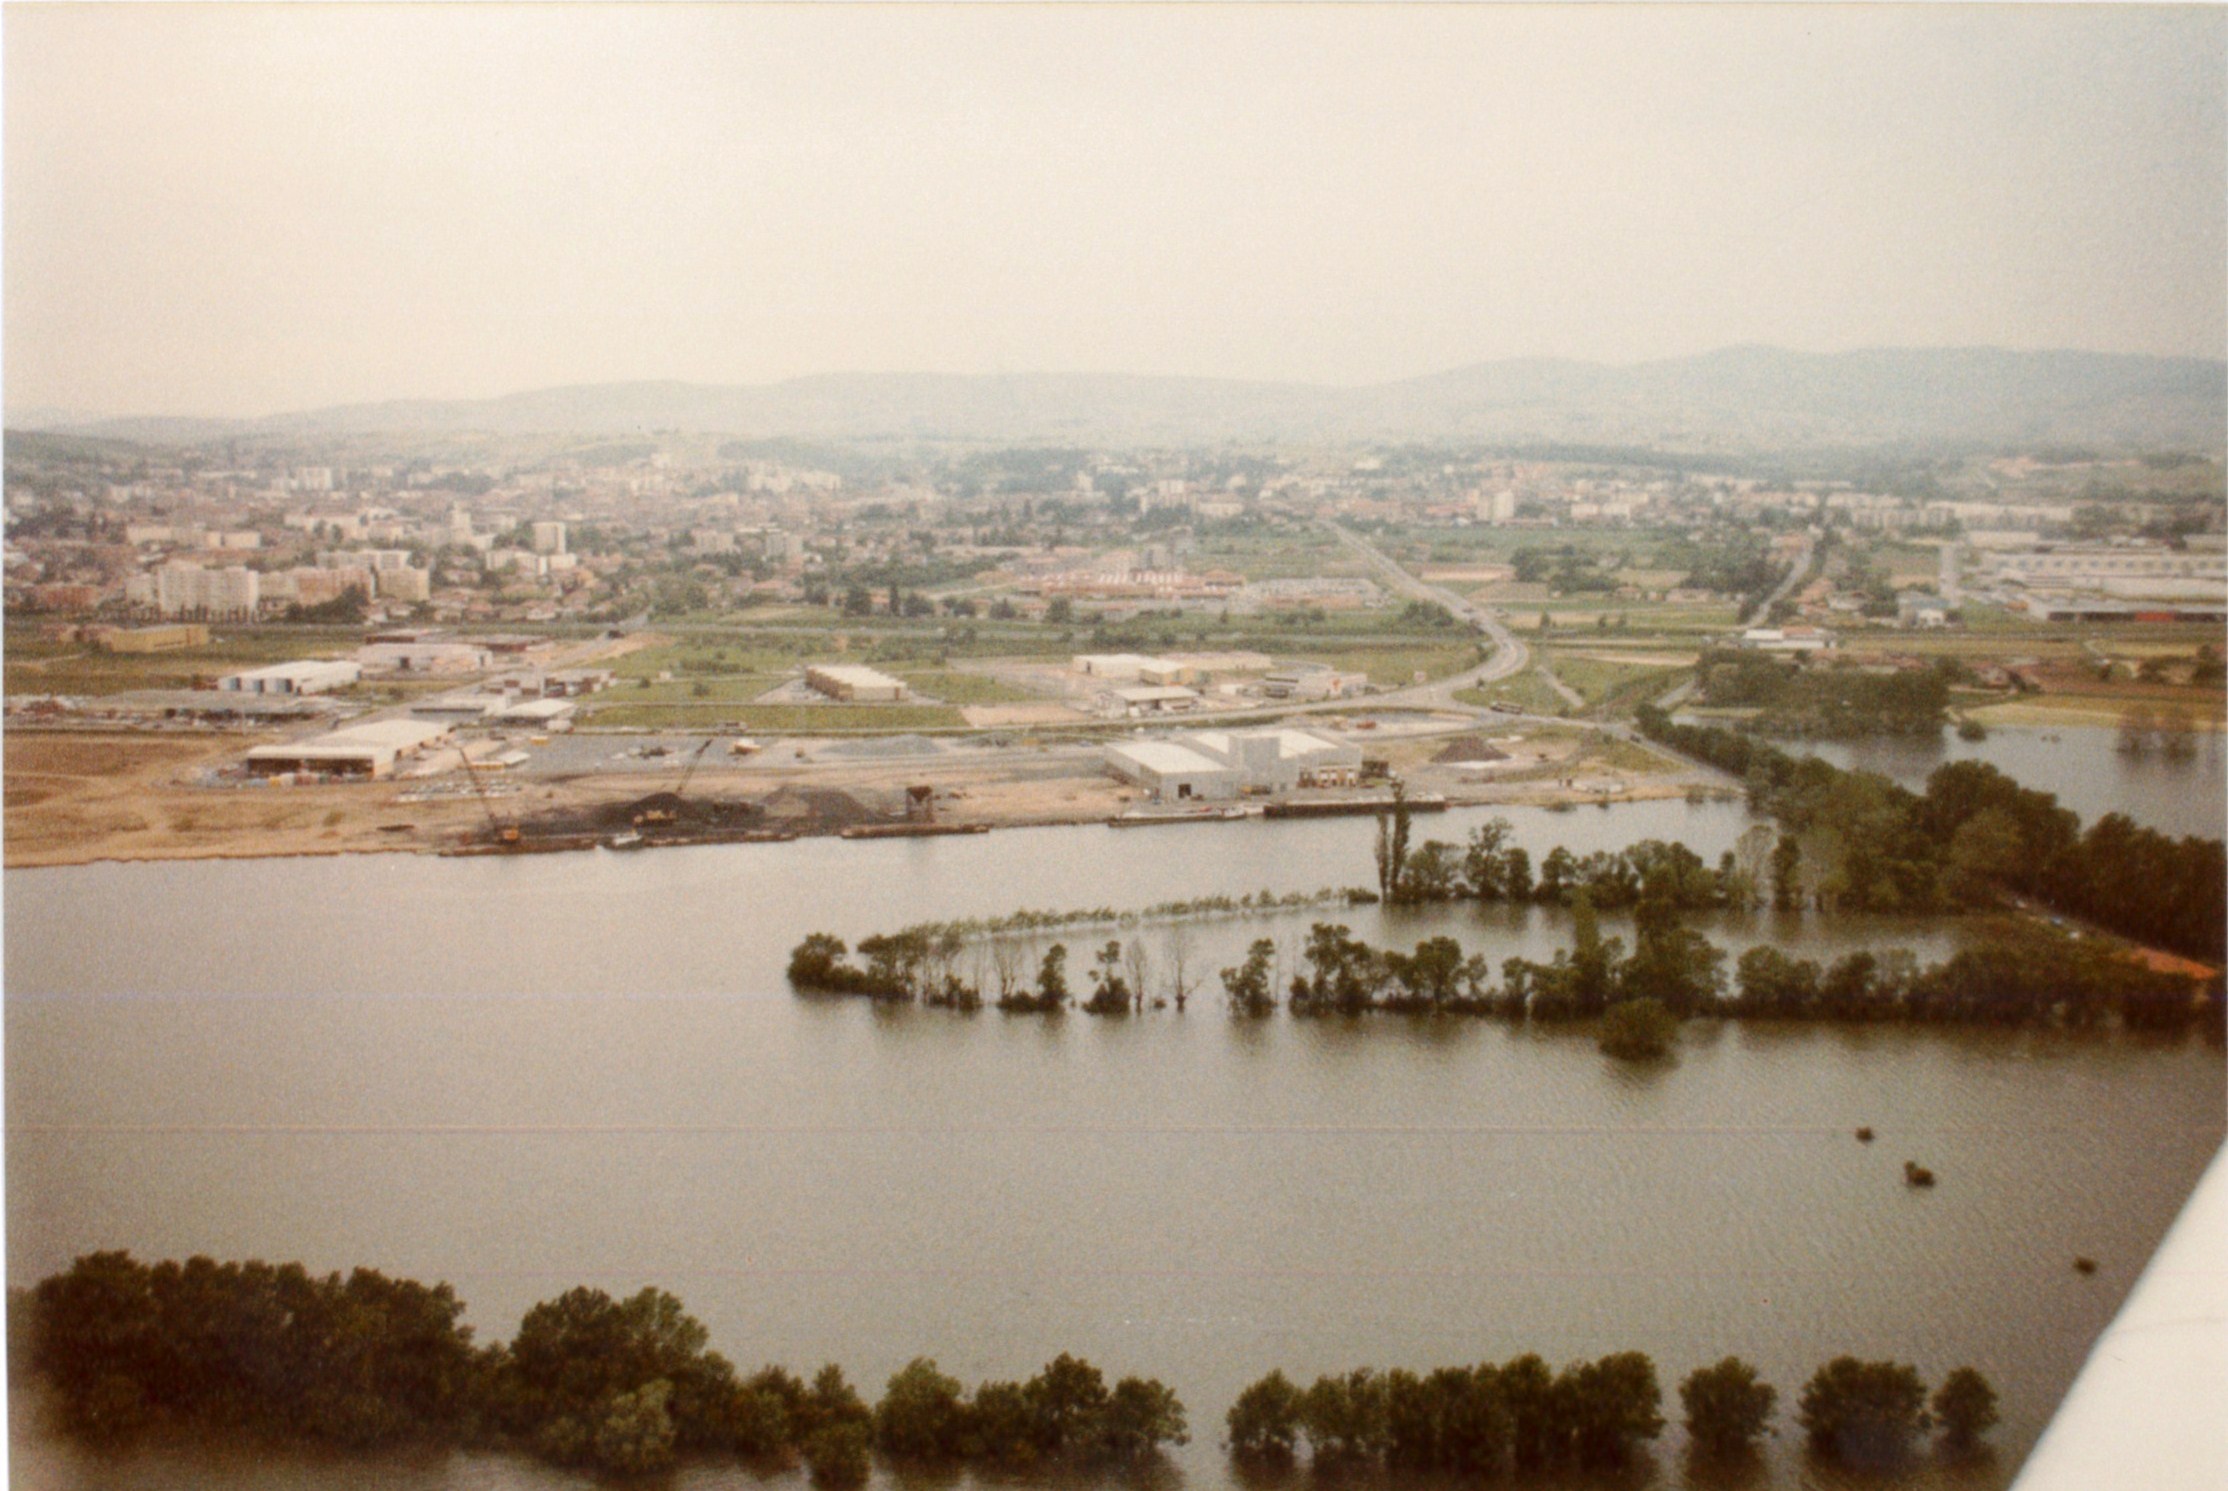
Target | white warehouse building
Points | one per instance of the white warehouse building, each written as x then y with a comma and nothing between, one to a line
310,676
855,684
1214,764
422,657
370,749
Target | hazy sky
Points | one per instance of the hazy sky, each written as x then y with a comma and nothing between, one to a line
240,210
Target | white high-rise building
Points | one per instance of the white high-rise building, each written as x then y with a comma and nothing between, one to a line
191,590
403,584
549,538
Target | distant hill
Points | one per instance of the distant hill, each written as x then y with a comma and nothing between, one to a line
1740,398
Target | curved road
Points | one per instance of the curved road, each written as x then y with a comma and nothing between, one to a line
1793,577
1509,655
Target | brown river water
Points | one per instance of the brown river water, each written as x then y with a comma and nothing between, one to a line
521,1075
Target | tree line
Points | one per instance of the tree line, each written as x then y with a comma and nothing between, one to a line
1484,1420
1826,702
1973,833
2011,976
923,962
1848,840
622,1387
1490,868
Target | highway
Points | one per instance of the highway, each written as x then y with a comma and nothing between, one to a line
1509,656
1788,582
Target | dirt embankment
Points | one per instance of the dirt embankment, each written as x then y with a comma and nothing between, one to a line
76,797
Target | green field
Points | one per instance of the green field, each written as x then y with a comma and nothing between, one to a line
698,656
1397,666
36,667
1607,751
1639,619
1528,691
1281,555
1616,684
1495,545
783,719
967,688
715,689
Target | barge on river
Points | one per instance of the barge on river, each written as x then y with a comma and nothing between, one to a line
1339,807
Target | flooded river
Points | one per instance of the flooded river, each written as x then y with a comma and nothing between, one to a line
521,1075
2081,764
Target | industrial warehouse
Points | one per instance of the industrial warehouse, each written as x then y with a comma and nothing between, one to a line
367,750
854,684
1221,764
310,676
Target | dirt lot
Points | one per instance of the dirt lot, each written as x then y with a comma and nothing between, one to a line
75,797
990,716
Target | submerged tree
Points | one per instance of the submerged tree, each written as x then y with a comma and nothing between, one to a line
1392,843
1726,1406
1248,987
1611,1406
1965,1407
1638,1030
1863,1413
1110,992
922,1415
1265,1419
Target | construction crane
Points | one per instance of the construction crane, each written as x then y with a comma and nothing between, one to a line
653,816
504,833
690,770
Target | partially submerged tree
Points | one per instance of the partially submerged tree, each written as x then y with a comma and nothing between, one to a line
1726,1406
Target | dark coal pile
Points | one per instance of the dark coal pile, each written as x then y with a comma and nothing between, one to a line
671,816
671,812
809,810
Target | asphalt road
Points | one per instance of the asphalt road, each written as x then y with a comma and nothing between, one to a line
1509,655
1786,586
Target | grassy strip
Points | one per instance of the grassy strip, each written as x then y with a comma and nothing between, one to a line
1600,681
1527,690
784,719
971,688
1200,908
727,690
36,667
1398,666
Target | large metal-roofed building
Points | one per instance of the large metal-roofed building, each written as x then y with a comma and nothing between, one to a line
367,750
855,684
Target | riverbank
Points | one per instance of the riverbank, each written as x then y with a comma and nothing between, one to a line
76,798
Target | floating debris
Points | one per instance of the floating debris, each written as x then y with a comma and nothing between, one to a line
1915,1174
1864,1135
